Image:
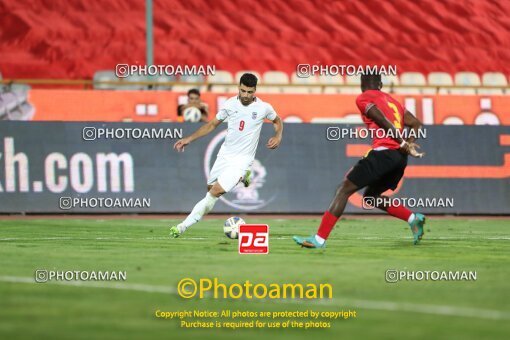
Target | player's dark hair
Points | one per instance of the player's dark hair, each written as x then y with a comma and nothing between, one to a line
249,80
371,82
194,91
371,78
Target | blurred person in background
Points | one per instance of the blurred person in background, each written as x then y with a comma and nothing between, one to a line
194,101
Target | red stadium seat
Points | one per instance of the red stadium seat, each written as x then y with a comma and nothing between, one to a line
82,37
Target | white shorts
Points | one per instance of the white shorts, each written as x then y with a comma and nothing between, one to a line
227,172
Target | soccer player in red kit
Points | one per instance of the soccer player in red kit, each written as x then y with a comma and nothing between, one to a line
382,168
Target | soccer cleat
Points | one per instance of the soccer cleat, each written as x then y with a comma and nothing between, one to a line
174,232
417,227
308,242
247,178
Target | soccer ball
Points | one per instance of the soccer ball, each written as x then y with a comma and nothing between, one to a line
192,114
231,227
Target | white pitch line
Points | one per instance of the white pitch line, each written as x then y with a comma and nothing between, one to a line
92,238
363,304
109,285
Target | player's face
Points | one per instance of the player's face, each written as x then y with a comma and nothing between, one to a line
246,94
193,99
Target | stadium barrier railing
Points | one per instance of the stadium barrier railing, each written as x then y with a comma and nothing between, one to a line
152,85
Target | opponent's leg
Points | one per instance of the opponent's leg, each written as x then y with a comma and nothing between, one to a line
416,221
330,217
202,208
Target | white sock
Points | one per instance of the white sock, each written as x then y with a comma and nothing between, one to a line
199,210
411,218
319,239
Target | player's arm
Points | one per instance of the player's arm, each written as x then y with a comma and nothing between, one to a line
413,123
201,132
180,109
275,141
204,109
380,119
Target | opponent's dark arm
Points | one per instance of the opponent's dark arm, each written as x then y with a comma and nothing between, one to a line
413,123
380,119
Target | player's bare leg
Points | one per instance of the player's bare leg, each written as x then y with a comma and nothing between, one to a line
200,209
344,191
330,217
416,221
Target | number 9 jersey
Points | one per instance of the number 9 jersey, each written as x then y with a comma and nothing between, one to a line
244,126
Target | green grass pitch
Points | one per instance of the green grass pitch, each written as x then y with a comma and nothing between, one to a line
354,262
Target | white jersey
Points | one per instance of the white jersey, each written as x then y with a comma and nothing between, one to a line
244,125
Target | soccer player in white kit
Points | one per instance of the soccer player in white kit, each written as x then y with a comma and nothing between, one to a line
245,115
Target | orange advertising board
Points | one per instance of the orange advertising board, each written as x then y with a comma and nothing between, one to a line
157,106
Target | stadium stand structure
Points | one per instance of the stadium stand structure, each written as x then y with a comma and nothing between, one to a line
412,83
74,39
